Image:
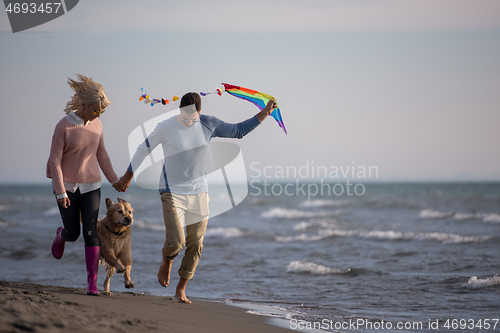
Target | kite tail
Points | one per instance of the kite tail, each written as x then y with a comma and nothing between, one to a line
276,114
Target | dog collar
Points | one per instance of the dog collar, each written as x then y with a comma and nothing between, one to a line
113,232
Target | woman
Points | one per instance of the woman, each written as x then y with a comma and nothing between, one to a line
76,154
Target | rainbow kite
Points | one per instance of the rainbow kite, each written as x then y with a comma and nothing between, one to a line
257,98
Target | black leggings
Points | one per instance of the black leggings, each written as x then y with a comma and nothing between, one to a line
86,206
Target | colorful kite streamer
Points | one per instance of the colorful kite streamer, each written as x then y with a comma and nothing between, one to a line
154,101
257,98
218,92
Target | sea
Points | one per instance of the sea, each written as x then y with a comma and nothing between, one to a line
395,257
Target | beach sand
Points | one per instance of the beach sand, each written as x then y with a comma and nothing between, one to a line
36,308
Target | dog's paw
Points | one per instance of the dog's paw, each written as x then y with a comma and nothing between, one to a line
108,293
120,269
129,285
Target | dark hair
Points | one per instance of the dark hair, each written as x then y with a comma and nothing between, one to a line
190,99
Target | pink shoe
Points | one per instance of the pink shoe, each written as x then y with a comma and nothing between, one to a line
58,244
92,260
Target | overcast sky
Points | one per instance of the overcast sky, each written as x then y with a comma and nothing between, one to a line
411,87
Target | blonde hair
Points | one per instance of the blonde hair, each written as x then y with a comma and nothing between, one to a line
87,92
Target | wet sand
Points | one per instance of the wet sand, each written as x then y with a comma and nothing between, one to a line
36,308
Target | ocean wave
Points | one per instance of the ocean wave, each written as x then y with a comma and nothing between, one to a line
301,266
389,235
302,238
434,214
148,226
491,218
224,232
323,223
270,314
211,232
475,283
296,214
446,238
437,236
51,212
24,253
323,203
270,311
467,216
4,207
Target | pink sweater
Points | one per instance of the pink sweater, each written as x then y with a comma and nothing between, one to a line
76,154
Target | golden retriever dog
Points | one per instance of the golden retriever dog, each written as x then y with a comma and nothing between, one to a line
114,236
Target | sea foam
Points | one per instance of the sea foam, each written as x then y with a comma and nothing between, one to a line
148,225
323,203
388,234
434,214
323,223
224,232
491,218
467,216
295,214
301,266
475,283
51,212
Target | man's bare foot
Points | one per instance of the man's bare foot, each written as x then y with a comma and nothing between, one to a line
180,291
181,297
164,272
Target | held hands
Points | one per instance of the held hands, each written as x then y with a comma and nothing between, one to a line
123,184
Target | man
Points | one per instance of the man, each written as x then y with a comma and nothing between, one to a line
183,182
